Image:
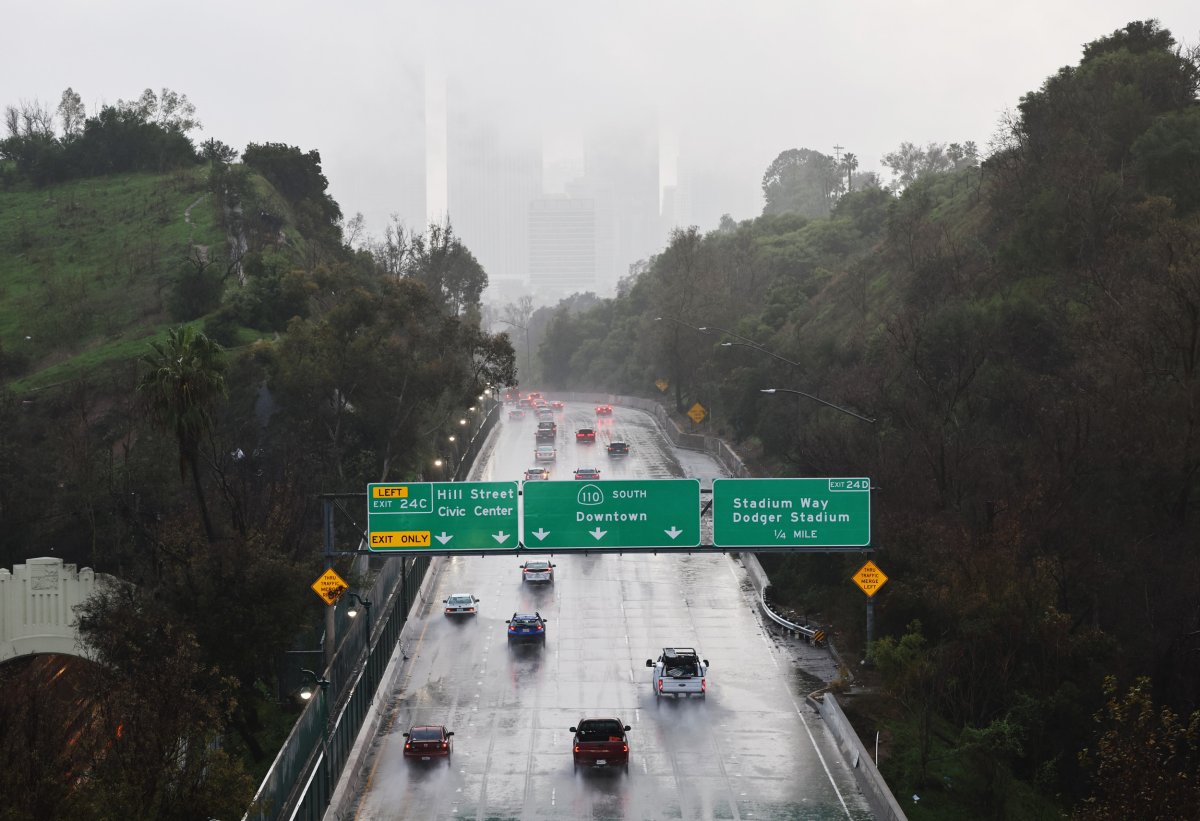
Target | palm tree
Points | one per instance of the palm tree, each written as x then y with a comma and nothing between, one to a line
179,392
849,162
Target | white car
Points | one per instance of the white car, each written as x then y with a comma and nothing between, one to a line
537,570
464,604
545,453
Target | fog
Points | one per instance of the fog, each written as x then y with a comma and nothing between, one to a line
709,91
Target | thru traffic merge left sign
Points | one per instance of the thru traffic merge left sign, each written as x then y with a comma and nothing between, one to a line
870,578
329,586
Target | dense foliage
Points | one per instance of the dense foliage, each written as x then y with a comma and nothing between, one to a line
187,460
148,134
1027,333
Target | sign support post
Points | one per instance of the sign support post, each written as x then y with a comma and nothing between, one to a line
870,626
330,645
869,579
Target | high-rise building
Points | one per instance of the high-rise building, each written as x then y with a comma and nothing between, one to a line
492,175
621,173
562,246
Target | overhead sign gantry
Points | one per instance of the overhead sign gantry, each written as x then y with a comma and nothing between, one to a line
804,515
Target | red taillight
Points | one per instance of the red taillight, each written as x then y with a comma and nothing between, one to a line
576,748
512,629
703,685
470,609
407,745
445,745
624,748
660,685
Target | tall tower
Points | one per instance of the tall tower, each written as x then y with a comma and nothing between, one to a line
492,175
435,147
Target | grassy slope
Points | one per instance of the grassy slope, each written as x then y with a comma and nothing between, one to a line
86,267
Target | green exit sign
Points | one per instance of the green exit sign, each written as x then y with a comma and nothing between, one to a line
802,513
612,514
478,517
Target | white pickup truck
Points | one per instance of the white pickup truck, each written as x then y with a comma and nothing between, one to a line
679,671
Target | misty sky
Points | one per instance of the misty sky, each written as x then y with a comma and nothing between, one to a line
732,83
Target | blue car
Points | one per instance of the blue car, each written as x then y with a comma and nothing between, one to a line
526,627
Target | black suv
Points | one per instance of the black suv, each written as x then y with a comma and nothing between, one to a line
618,448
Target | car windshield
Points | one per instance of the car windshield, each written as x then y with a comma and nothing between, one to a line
537,565
425,734
460,600
524,620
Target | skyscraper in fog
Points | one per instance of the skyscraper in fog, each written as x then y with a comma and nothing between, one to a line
562,245
492,174
621,174
485,174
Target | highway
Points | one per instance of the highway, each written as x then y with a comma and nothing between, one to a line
749,750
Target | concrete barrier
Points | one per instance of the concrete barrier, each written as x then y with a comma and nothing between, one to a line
866,774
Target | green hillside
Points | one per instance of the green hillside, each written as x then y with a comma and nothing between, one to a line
190,354
87,268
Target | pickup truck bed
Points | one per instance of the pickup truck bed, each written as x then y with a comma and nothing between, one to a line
679,671
600,742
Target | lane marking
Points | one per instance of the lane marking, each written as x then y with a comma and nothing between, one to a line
391,722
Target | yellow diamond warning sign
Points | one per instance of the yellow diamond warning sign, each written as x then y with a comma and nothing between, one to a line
697,412
870,578
330,586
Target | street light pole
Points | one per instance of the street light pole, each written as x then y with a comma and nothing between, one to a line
761,349
816,399
749,342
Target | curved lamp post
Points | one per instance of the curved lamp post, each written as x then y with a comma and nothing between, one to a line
816,399
761,349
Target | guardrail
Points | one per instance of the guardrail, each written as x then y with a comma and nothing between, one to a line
815,635
300,782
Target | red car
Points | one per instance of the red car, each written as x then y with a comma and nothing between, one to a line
600,742
427,742
557,404
604,410
585,435
587,473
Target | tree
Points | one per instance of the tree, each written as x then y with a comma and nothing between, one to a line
447,268
171,111
801,181
180,392
1145,759
850,164
72,113
217,152
910,162
164,709
298,177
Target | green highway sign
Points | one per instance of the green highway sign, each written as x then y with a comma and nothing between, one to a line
612,514
474,517
816,513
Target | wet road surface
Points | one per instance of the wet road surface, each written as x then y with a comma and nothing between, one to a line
748,750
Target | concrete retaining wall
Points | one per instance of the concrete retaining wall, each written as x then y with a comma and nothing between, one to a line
879,796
